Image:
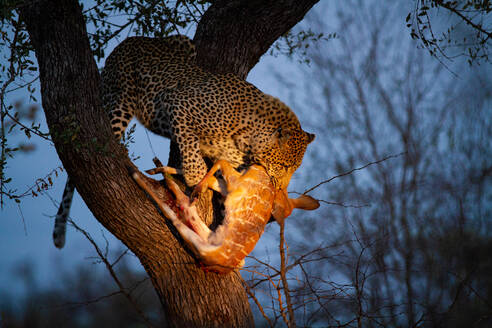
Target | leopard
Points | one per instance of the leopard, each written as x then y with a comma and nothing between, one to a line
207,115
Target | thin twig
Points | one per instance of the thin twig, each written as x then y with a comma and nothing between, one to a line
343,204
39,134
447,6
40,183
283,275
21,86
23,219
353,170
85,303
120,257
252,295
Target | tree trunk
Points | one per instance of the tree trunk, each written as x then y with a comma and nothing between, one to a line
97,163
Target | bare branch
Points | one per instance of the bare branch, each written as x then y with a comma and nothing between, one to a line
353,170
109,267
447,5
251,294
283,275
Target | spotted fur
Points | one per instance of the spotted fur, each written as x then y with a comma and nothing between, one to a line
60,229
207,115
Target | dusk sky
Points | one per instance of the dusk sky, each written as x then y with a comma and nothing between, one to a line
326,97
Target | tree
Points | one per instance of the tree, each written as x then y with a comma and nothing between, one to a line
230,37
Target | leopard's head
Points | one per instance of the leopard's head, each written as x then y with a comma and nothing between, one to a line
282,152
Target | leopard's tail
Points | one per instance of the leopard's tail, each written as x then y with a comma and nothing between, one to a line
60,229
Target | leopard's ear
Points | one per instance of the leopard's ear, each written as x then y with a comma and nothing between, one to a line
310,137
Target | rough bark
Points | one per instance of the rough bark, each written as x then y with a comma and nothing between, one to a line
70,89
234,34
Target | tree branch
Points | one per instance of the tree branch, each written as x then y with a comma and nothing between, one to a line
233,35
447,5
353,170
283,276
